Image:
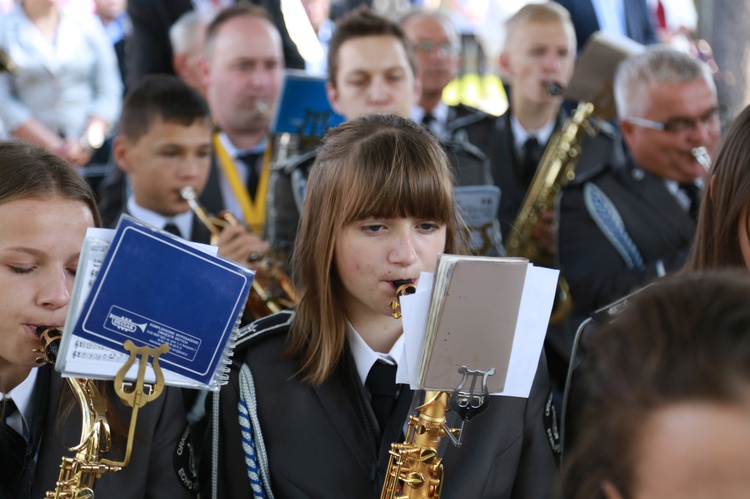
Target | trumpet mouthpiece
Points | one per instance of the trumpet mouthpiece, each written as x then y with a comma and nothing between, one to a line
187,193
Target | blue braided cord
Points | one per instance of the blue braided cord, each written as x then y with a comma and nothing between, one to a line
608,219
256,458
248,445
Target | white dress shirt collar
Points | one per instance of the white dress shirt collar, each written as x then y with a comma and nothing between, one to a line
183,221
365,357
22,396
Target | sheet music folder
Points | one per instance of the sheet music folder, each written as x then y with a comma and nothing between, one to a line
593,79
472,320
155,288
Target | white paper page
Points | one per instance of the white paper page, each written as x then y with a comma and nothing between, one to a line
414,310
536,306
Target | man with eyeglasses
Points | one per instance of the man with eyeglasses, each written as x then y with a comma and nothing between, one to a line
437,48
633,220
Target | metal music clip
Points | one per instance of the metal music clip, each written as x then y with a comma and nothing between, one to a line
469,403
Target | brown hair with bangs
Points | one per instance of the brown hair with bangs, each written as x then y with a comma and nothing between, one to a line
375,166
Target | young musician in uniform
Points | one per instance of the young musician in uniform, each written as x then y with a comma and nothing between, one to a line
666,411
45,209
379,208
164,144
371,69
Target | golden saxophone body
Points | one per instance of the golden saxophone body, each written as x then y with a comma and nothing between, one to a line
78,474
414,468
272,288
555,170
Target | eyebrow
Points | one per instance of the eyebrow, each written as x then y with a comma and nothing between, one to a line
23,249
712,110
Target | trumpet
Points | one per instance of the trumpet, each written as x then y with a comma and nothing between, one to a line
272,289
700,154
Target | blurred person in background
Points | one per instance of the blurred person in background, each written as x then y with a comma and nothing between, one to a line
67,92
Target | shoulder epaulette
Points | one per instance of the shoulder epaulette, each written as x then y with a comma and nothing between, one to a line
263,327
475,116
291,164
464,148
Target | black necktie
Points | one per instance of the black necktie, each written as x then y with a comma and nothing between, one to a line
12,448
381,381
428,119
172,229
693,193
250,159
532,153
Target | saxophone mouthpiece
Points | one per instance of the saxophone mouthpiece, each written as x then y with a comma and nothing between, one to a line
50,337
403,287
554,88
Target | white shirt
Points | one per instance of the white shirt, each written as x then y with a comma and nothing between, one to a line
365,357
183,221
682,199
440,113
21,396
521,135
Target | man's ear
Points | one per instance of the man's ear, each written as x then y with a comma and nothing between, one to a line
333,98
120,151
205,71
179,63
504,61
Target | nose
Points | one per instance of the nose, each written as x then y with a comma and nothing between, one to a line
190,167
404,250
259,78
55,290
379,91
551,63
702,133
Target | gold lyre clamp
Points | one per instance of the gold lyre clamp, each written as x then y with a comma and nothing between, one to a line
137,394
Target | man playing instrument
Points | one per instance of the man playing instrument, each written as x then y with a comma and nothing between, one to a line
537,59
634,219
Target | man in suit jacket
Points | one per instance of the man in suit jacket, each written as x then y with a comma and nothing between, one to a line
437,47
633,219
630,18
149,49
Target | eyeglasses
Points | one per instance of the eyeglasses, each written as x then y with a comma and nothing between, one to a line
675,125
428,46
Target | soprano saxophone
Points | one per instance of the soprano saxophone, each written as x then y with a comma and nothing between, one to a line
78,474
555,171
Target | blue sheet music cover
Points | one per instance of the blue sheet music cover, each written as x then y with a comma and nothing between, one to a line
303,107
154,288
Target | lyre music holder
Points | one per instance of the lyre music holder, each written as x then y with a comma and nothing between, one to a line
468,403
